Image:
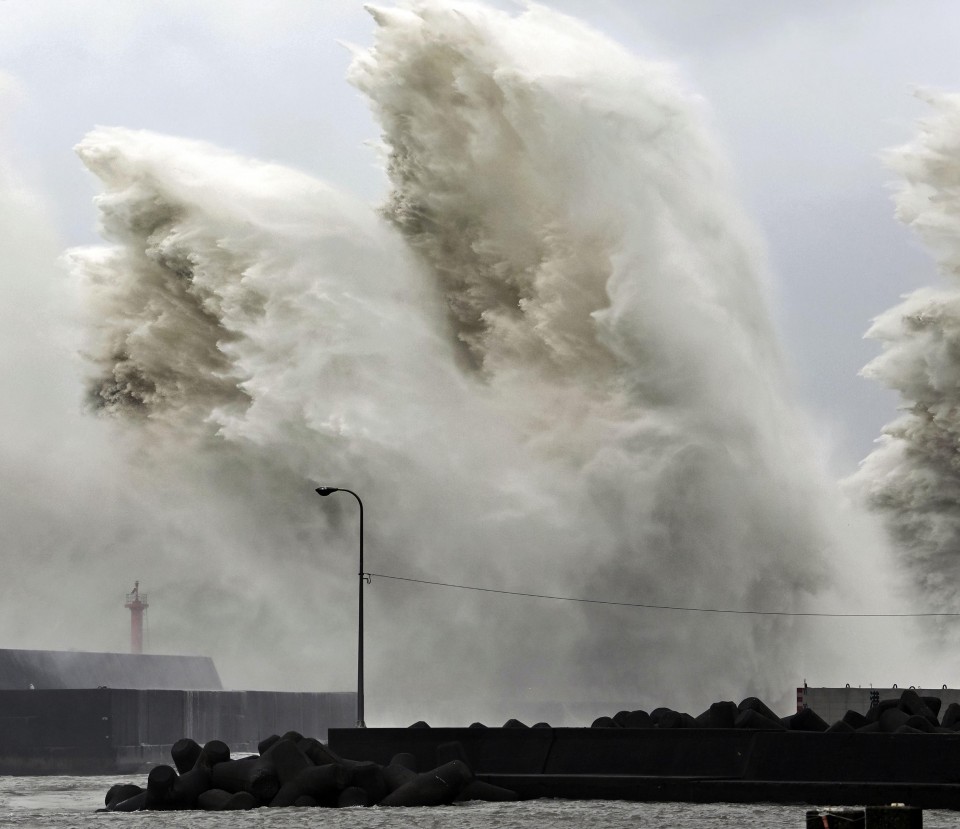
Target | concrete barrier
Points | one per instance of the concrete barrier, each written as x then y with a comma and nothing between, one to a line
896,752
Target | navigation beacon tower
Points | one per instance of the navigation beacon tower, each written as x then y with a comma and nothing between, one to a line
137,604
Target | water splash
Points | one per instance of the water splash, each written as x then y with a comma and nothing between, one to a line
912,478
547,365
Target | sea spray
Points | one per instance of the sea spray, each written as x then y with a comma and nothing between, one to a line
547,367
912,478
56,506
261,333
605,287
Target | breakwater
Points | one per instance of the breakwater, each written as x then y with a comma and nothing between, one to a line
124,730
899,750
876,757
293,770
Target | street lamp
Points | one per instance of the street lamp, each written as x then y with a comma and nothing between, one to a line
325,491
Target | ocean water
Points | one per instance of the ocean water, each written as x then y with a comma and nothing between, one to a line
73,801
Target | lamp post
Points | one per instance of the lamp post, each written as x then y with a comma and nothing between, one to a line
324,491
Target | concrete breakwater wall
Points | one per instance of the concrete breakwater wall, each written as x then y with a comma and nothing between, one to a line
717,754
116,730
729,753
901,750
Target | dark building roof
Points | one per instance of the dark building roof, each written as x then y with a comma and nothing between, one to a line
80,669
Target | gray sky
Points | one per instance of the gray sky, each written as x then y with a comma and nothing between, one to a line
802,97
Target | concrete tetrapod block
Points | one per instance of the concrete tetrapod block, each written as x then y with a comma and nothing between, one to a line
805,720
232,776
285,758
287,795
751,719
397,775
892,718
184,754
921,723
438,787
132,804
637,719
159,785
369,777
188,787
319,754
670,719
912,704
322,783
481,790
214,800
951,717
217,800
870,728
875,711
248,774
353,796
213,752
119,792
759,706
855,719
718,715
242,802
933,703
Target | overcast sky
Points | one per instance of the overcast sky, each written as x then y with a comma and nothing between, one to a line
802,97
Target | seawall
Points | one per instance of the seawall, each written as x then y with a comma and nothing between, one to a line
122,730
692,765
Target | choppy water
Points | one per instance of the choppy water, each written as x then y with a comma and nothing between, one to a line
73,801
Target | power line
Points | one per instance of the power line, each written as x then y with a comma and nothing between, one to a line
662,606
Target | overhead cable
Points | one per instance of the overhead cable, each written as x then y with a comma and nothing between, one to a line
662,606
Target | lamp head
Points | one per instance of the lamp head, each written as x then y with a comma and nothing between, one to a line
326,490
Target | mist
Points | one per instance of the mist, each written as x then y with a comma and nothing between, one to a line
57,516
911,477
546,361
